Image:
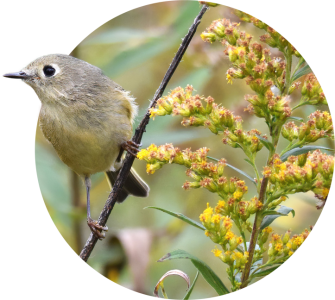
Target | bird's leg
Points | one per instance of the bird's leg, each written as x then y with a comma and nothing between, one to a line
96,229
130,147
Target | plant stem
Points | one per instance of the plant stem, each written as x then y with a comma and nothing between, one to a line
288,56
254,235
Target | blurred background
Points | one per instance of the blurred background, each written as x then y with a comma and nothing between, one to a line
135,50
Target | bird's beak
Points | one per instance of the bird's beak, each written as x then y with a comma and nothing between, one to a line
17,75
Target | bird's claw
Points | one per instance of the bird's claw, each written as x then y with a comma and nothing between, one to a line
97,230
131,147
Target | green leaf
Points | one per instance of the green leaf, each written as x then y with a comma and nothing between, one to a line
188,294
242,173
266,143
272,212
302,150
301,72
203,268
265,272
249,162
180,216
296,119
236,169
282,211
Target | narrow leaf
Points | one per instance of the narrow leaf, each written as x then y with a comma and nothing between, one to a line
242,173
265,272
302,150
180,216
236,169
301,72
167,274
282,211
189,292
266,143
272,212
296,119
203,268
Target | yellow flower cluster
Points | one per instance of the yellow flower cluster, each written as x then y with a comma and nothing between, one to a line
269,105
206,174
282,247
222,30
319,126
216,118
246,140
312,90
311,171
253,62
218,229
272,37
235,259
181,102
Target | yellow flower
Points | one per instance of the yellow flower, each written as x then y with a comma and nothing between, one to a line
238,195
237,255
208,210
325,192
279,246
207,214
217,252
152,147
290,253
143,154
229,79
282,167
267,229
227,223
229,235
216,219
298,240
221,204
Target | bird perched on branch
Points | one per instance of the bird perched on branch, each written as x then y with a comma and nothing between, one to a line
87,118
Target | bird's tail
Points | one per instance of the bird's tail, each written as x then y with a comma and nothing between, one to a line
134,185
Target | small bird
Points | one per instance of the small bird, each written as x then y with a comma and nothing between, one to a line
87,118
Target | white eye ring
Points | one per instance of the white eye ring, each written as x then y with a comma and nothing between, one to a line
55,67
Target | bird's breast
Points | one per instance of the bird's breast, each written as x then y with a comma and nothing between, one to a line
88,141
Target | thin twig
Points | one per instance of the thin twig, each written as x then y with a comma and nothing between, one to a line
120,180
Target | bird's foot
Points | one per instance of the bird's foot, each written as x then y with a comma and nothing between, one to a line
131,147
97,230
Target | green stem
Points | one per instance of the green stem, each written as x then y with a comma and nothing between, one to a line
254,235
287,148
288,56
257,174
300,104
290,146
238,225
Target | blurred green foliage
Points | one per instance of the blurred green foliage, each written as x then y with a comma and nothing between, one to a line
135,50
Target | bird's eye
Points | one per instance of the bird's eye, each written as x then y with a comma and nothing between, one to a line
49,71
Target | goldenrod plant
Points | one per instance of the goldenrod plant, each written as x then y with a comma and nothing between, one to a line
300,167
